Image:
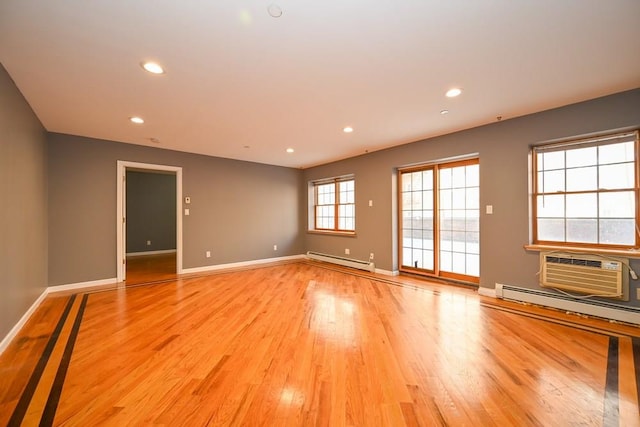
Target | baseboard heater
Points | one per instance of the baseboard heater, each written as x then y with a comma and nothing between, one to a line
596,308
347,262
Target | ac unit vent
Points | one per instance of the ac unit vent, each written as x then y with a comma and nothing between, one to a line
575,261
585,274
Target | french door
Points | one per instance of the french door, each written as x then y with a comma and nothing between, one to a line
440,220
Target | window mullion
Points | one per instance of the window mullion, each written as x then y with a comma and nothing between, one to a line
436,220
336,199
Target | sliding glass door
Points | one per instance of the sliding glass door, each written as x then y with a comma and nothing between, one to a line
440,220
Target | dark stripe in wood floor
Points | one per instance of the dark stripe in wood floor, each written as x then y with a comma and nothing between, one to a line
36,382
49,412
611,415
27,395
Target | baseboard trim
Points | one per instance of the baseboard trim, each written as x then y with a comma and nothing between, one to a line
23,320
82,285
241,264
167,251
387,272
487,292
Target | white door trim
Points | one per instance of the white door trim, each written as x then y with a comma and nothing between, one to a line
120,205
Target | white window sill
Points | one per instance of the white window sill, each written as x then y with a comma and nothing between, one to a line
333,233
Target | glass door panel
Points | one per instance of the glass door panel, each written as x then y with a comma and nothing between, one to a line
440,213
417,220
459,213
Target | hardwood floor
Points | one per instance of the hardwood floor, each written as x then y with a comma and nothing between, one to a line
150,268
303,344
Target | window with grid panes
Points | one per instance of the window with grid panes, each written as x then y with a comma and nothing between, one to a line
586,192
334,205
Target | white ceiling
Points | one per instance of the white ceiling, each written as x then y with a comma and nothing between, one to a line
244,85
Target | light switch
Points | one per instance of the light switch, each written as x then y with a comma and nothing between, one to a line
370,203
489,209
186,212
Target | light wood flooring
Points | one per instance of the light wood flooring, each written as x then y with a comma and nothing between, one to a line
150,268
304,344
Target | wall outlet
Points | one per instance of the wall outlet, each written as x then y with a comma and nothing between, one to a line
371,256
148,242
275,247
347,252
208,254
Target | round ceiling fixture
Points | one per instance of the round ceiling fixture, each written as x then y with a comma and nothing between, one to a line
153,67
347,129
274,10
444,112
290,150
453,92
136,120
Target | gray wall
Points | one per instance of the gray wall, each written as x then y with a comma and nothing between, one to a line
503,149
23,212
239,210
151,211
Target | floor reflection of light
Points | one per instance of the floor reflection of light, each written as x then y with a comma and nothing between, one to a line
333,316
460,339
121,307
179,291
287,396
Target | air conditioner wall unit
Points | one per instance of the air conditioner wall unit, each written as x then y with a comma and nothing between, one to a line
587,274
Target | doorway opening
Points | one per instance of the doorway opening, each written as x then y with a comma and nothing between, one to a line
149,223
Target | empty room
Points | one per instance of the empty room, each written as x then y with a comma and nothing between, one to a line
342,213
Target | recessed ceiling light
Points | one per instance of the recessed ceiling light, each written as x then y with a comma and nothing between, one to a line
153,67
290,150
443,112
453,92
348,129
137,120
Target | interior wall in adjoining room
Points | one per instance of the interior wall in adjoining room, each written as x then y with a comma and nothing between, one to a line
503,150
151,211
23,210
238,210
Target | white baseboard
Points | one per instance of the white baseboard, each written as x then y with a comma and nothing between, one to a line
487,292
81,285
23,320
168,251
596,308
240,264
387,272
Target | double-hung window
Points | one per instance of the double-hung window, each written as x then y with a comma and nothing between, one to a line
334,206
585,192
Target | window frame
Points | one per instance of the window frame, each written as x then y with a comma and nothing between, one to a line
595,141
337,203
